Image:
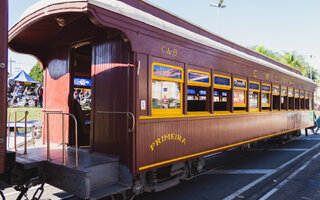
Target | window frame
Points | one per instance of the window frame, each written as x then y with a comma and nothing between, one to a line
221,87
169,111
240,105
195,83
264,91
278,93
259,98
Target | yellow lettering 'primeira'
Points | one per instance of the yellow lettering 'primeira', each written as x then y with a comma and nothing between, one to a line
165,138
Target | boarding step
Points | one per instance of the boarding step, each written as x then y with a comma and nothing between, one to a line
97,176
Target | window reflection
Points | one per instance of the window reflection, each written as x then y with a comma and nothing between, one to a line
165,95
265,99
239,97
254,97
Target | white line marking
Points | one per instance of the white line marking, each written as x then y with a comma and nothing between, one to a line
244,171
287,149
274,190
247,187
310,139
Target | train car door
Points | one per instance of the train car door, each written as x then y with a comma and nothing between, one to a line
80,94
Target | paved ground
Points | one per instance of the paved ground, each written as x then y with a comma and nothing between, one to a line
268,171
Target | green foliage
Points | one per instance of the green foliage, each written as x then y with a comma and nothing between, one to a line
36,73
289,58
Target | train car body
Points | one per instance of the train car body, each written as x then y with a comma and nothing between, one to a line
164,92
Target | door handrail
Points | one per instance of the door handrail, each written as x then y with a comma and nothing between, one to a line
129,115
63,136
15,130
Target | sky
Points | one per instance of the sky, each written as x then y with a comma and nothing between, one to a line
286,25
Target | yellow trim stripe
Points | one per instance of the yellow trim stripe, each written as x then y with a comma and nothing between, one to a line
213,150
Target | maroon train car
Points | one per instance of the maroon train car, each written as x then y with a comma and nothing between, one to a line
160,93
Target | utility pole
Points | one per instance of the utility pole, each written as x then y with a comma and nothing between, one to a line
11,61
311,57
218,6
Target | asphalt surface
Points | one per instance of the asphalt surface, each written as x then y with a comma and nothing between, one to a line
266,171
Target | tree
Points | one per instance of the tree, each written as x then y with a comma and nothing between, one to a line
289,58
36,73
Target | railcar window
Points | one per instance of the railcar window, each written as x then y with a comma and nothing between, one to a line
296,99
276,97
198,90
239,94
284,98
302,100
254,90
310,101
291,98
166,89
221,99
265,96
222,93
307,101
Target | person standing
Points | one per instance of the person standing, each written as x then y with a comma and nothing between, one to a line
40,96
165,102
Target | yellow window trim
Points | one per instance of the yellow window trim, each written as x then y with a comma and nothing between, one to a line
253,109
265,105
165,78
223,87
240,105
275,94
195,83
239,88
254,90
286,94
156,111
290,89
266,91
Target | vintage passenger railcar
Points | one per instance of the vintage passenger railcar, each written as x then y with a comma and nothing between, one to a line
164,92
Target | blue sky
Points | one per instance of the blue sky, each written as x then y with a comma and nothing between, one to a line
286,25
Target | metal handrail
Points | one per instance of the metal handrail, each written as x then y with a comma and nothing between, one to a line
63,136
15,130
129,114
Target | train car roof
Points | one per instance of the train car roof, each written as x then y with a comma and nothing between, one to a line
132,10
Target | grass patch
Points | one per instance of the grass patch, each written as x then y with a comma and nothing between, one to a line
34,113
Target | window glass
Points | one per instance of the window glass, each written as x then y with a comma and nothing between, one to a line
265,99
167,72
165,95
216,96
254,97
275,90
198,77
239,97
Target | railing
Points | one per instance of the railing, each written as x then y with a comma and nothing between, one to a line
55,112
15,130
129,115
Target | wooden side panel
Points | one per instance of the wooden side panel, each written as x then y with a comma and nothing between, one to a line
3,80
56,92
111,77
163,141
